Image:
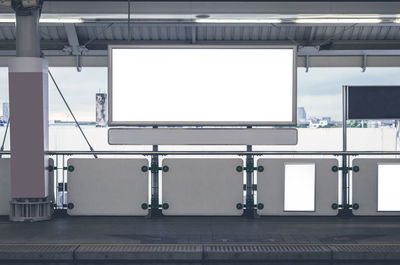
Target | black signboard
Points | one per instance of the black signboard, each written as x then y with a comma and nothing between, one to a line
373,102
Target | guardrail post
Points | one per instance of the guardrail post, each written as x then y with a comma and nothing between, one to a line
346,208
249,210
155,210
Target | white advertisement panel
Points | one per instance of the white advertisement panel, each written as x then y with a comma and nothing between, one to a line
202,85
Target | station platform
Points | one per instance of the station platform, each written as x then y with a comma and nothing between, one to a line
202,240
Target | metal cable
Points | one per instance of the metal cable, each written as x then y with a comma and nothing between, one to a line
5,136
72,114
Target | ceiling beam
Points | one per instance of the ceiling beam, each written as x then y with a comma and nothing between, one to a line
73,40
314,61
220,7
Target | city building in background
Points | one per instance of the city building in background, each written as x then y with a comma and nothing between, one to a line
101,109
6,111
301,114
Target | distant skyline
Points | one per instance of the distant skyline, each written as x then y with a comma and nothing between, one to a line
319,90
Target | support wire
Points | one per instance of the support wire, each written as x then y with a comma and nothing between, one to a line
5,136
72,114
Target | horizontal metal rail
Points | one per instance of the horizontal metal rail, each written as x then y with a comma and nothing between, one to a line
256,153
334,153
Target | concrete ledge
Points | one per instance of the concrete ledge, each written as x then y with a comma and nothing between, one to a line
37,253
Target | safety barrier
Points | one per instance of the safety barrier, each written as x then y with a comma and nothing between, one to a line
107,186
224,183
376,186
297,186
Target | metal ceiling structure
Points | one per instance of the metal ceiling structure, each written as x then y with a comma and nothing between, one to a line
174,22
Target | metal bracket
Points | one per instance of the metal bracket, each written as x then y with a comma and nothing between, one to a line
354,206
154,168
254,186
146,206
307,64
364,63
250,168
241,206
346,169
52,168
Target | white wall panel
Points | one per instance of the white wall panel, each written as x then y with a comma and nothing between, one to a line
107,186
271,186
365,186
5,186
196,186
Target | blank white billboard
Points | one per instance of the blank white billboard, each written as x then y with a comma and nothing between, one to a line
202,85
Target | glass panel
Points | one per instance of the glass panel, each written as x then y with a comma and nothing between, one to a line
299,187
388,187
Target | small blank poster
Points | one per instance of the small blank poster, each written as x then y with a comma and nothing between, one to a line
388,187
299,187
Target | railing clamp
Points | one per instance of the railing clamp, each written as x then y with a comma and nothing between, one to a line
354,206
250,168
52,168
346,169
254,187
146,206
155,168
241,206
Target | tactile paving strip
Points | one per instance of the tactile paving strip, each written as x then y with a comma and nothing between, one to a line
144,252
269,252
366,252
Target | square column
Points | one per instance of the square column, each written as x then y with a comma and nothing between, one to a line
28,85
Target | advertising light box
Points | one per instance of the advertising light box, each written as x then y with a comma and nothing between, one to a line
202,85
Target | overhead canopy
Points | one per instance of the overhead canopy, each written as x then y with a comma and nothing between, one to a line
327,33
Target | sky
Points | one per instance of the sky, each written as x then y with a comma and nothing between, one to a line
319,90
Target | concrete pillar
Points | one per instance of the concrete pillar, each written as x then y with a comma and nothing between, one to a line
28,80
28,92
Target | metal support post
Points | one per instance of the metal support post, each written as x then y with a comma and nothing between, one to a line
155,211
250,210
345,209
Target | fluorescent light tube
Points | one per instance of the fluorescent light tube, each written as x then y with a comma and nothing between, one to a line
229,20
61,20
47,20
338,20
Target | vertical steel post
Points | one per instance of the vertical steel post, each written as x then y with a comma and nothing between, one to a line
249,211
155,198
345,211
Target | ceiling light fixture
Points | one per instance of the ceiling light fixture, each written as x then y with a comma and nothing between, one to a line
338,20
47,20
239,20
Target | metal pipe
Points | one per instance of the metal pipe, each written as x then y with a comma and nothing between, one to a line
240,153
345,198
